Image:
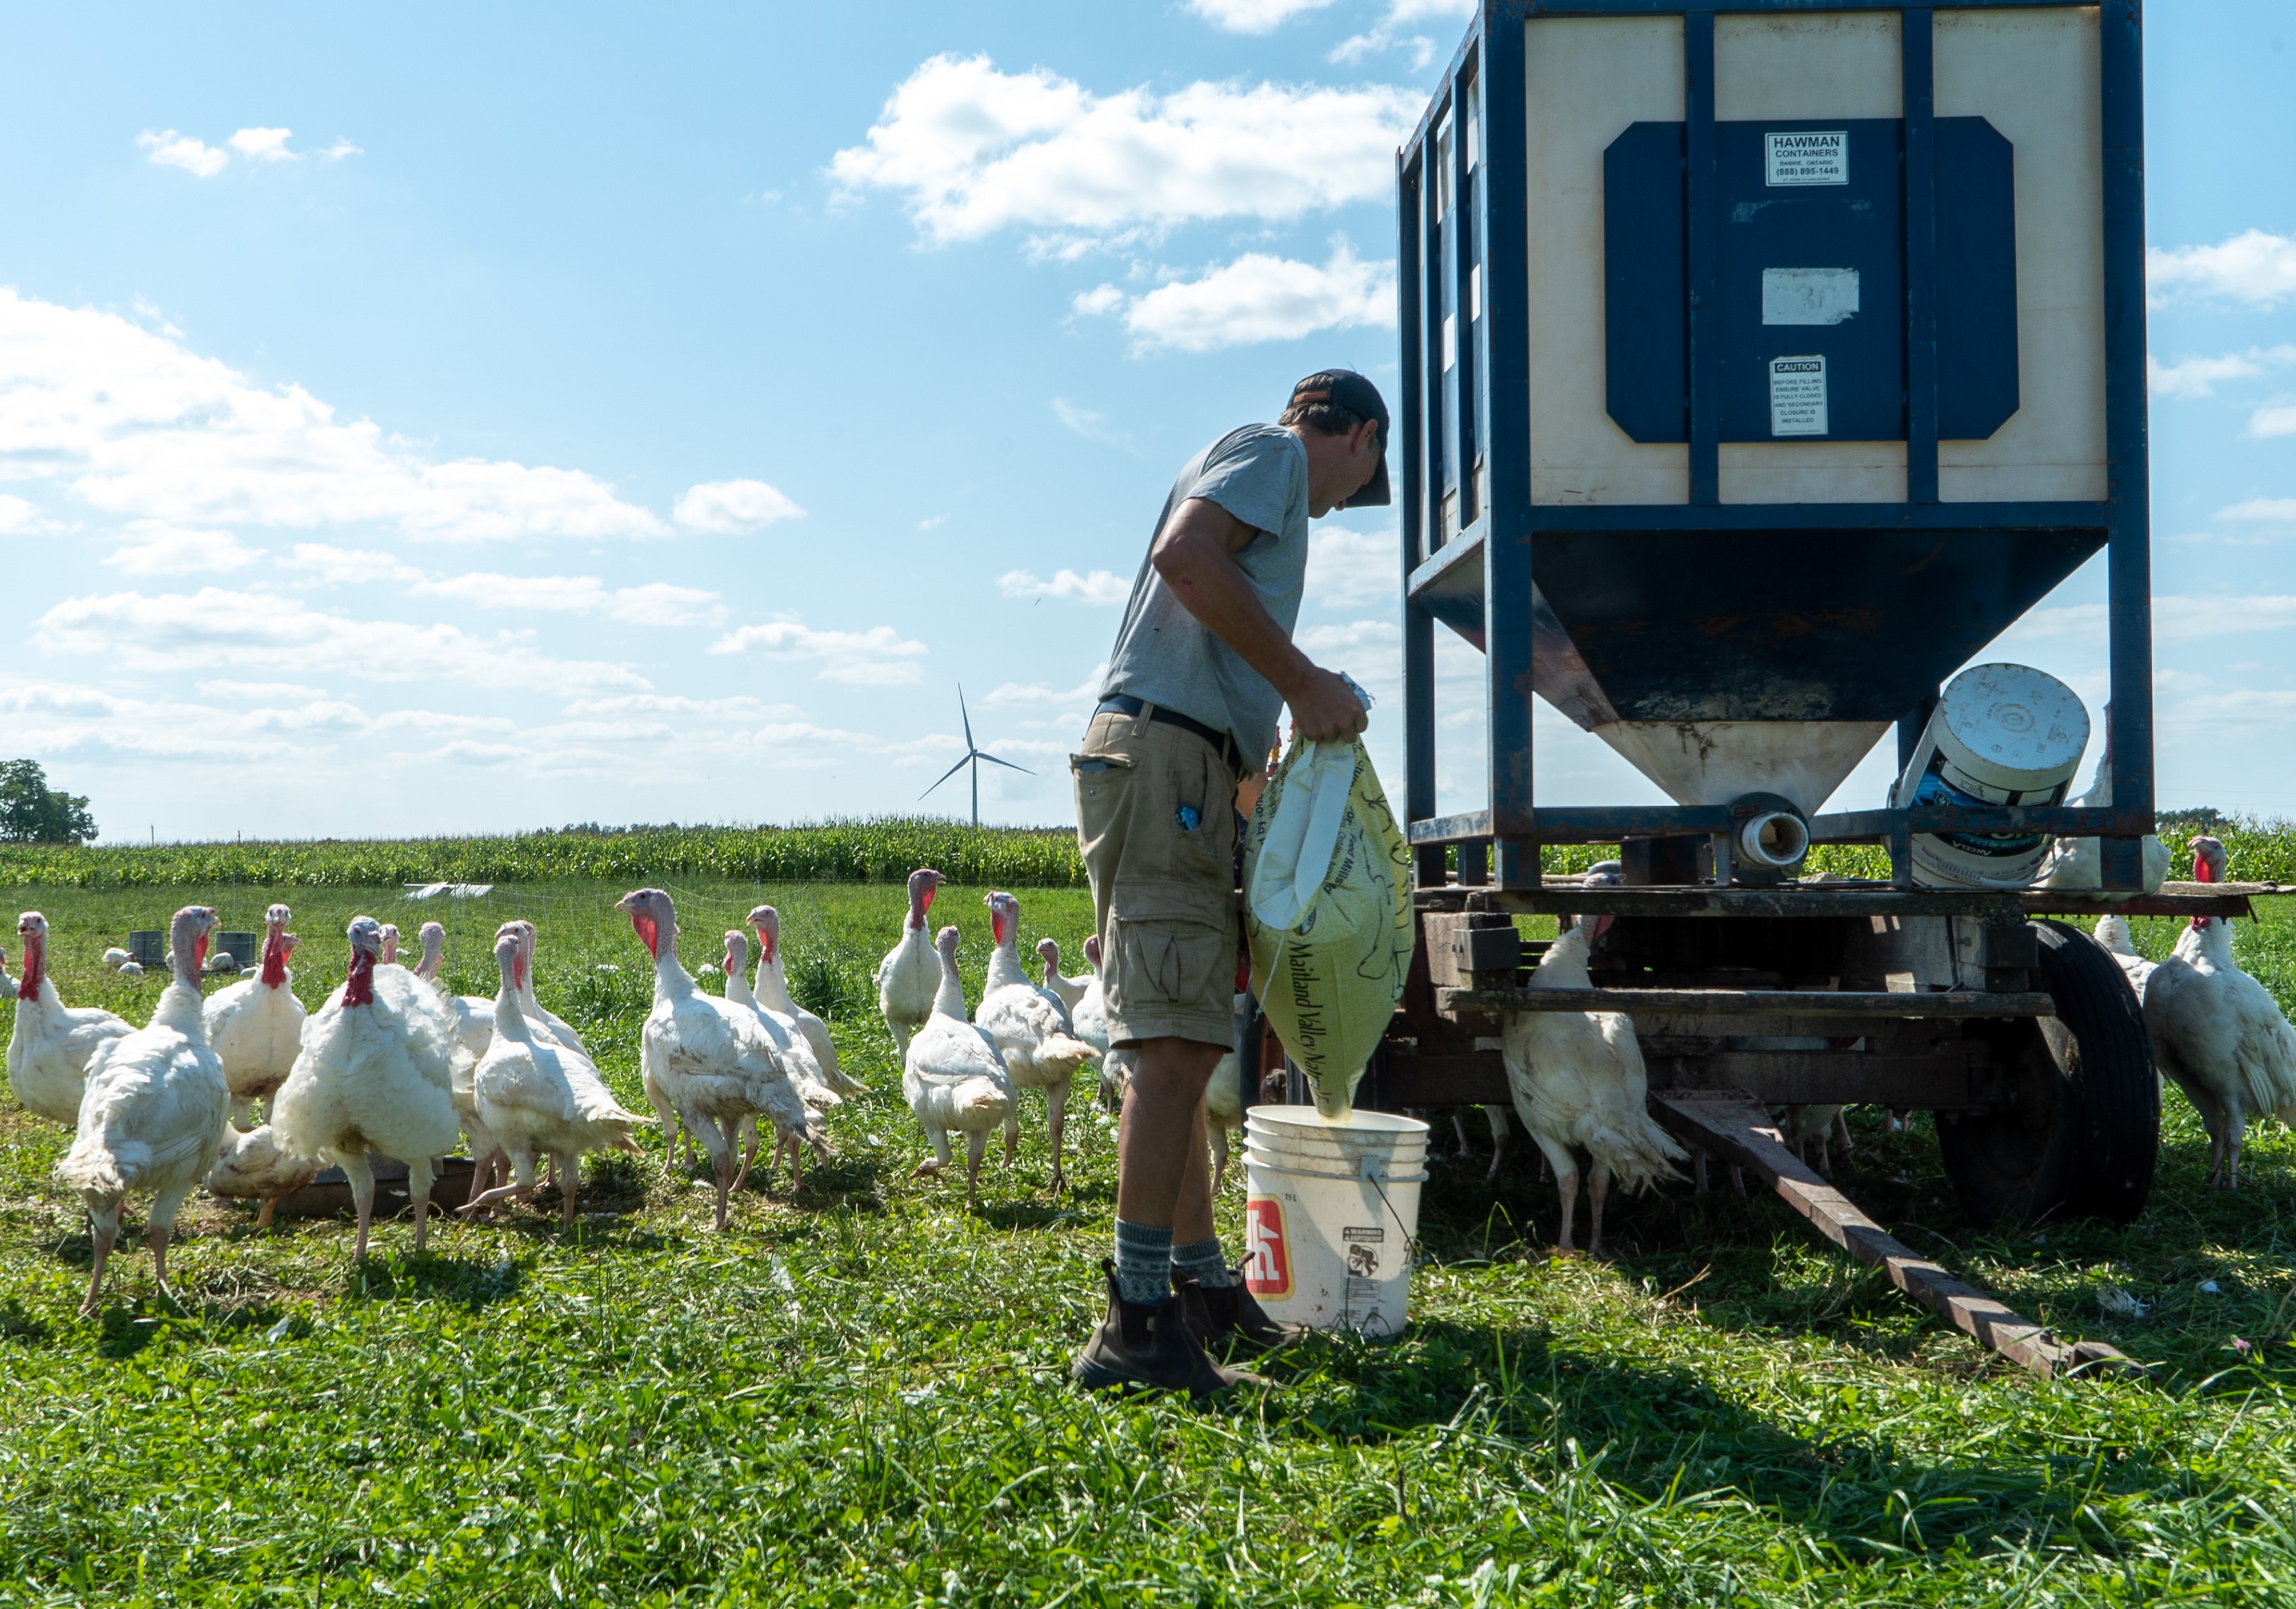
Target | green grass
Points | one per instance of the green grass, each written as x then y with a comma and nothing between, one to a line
859,1396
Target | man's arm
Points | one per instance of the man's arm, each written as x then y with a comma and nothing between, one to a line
1192,554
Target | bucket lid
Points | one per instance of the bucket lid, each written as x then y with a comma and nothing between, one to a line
2011,726
1291,1167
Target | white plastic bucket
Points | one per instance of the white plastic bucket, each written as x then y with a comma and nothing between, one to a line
1331,1216
2003,735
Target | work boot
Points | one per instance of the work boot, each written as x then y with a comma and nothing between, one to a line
1139,1347
1230,1318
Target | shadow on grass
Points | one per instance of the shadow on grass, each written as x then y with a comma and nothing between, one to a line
1661,1430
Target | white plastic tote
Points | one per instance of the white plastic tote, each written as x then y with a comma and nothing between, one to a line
1327,910
1331,1214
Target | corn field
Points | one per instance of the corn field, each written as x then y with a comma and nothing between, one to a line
885,849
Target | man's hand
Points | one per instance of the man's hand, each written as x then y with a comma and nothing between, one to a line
1324,707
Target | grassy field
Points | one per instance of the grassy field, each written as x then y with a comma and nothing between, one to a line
859,1396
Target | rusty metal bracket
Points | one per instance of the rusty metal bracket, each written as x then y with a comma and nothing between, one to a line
1734,1128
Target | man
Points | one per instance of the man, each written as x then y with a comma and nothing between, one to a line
1203,666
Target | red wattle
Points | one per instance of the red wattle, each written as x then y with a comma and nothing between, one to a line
765,947
275,962
358,986
199,955
649,934
27,987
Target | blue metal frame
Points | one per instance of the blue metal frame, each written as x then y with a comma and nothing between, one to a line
1489,408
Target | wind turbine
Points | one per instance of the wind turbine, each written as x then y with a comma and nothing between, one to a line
974,756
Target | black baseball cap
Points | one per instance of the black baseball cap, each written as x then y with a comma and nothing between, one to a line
1351,391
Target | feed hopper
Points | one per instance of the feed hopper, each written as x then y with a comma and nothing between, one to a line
1761,364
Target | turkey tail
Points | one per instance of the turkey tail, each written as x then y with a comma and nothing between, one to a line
841,1082
977,1096
93,1168
1063,1053
1640,1154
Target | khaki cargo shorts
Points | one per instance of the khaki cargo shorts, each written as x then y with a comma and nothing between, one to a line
1163,892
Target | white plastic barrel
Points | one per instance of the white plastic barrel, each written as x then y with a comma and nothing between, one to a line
1331,1215
2002,735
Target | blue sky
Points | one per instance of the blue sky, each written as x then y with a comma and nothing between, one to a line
423,418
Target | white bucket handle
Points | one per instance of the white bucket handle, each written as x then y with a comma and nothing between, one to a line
1369,1173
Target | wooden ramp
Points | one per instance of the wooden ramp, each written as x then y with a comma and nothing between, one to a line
1739,1130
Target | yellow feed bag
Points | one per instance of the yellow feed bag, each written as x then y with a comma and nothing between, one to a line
1328,909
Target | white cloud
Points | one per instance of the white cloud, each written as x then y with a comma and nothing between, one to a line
1036,693
2176,618
975,151
1348,569
651,603
2278,420
169,149
1257,298
1101,586
259,690
337,151
2253,267
255,631
739,707
1253,16
1098,301
58,718
879,657
2276,510
733,506
17,515
133,423
263,144
167,550
2199,376
1355,636
1394,30
1090,425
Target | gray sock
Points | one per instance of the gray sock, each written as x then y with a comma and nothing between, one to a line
1143,1263
1200,1260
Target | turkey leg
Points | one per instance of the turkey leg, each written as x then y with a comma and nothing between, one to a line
156,1234
362,1182
938,1160
1057,1101
1597,1188
418,1190
569,1187
976,1145
105,1225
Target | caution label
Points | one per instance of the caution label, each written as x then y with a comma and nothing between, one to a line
1818,156
1798,396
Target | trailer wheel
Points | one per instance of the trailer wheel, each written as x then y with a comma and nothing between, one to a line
2081,1130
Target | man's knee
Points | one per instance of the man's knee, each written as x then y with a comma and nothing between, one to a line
1177,1067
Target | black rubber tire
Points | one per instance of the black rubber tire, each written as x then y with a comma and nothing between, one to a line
2081,1134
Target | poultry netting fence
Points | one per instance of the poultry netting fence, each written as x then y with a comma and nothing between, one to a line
589,966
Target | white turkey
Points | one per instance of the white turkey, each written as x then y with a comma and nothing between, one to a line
2219,1033
51,1043
1578,1086
7,983
253,1166
536,1096
796,1060
154,1111
1030,1026
115,958
473,1020
389,956
1224,1107
257,1024
954,1076
2112,932
539,1016
1069,989
711,1061
2079,863
773,998
375,1075
909,976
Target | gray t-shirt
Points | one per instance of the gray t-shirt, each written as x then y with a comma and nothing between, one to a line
1165,654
